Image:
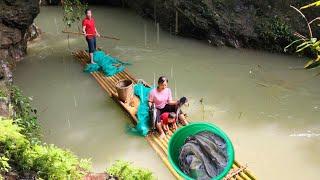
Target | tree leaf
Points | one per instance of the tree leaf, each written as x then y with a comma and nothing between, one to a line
285,49
312,64
317,3
299,50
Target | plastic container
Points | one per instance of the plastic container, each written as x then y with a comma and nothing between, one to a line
178,138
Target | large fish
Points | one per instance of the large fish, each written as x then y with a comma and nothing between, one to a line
203,156
212,151
215,138
191,148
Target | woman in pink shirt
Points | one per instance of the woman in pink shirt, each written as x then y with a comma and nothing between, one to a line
162,99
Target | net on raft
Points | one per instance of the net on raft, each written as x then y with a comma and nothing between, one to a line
143,126
203,156
107,64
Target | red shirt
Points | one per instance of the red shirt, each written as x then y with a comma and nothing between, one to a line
90,27
164,118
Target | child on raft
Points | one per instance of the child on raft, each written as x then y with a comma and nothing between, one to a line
166,119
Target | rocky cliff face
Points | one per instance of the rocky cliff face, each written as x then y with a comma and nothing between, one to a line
16,19
257,24
16,16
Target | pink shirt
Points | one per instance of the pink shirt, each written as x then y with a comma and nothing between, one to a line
160,99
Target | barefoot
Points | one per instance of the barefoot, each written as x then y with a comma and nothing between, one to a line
162,136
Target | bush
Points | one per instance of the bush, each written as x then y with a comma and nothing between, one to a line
25,115
12,144
47,161
125,170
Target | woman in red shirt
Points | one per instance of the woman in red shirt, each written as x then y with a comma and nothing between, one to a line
90,31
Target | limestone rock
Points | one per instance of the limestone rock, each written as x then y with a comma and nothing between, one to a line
15,18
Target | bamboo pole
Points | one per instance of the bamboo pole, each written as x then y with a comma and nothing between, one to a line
110,83
246,171
124,77
129,75
110,90
103,87
155,139
164,159
79,33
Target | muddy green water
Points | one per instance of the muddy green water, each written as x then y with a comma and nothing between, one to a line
268,108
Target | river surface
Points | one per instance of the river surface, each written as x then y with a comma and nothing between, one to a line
267,105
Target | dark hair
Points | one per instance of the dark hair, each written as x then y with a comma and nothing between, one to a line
162,79
183,100
86,11
172,115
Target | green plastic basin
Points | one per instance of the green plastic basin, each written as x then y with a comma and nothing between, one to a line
178,138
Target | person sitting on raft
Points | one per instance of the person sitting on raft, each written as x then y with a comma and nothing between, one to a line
166,119
162,99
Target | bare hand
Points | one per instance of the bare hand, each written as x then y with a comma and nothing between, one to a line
98,34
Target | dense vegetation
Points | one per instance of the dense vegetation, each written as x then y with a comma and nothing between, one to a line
23,154
25,116
36,160
125,170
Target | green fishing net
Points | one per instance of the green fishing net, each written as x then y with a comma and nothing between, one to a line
143,125
106,63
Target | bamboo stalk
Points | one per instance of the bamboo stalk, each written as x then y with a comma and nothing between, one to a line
114,92
165,143
164,159
241,172
129,75
103,78
100,83
117,78
246,171
110,90
159,144
162,141
235,172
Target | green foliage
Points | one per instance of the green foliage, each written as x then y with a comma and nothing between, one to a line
125,170
52,162
25,115
2,93
308,42
317,3
4,165
274,29
12,143
73,11
47,161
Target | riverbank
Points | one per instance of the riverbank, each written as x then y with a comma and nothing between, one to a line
259,25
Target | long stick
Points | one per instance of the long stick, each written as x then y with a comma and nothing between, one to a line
79,33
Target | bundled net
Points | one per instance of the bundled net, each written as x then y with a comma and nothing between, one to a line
143,115
107,64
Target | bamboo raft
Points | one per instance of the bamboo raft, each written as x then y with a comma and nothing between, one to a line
238,172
